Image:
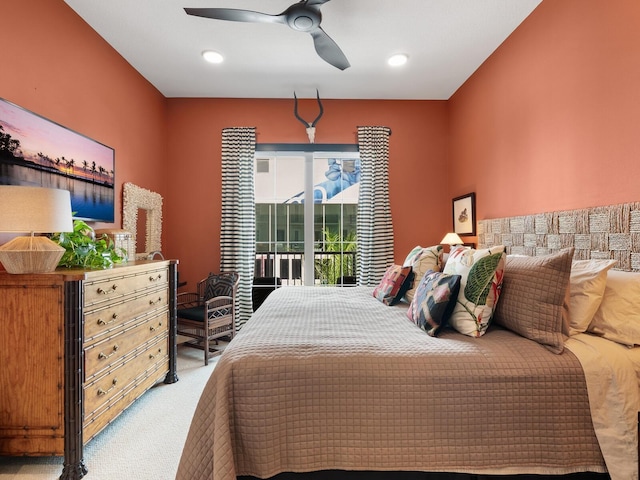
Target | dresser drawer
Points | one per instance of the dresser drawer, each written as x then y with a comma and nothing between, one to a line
113,317
123,345
115,381
97,419
65,319
116,287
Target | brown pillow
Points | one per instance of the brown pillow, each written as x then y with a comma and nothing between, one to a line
533,293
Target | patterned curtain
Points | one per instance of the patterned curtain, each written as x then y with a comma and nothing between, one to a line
374,227
237,232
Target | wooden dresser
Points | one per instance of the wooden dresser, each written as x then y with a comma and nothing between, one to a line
77,347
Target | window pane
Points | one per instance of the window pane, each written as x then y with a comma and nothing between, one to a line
336,187
280,217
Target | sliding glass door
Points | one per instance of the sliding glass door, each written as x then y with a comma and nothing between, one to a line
306,205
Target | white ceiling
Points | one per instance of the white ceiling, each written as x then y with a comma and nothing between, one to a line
446,40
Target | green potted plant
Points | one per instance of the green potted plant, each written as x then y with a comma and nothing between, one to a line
84,250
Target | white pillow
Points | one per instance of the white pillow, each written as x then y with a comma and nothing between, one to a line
586,284
618,317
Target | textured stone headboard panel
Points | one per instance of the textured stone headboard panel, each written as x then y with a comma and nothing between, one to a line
598,232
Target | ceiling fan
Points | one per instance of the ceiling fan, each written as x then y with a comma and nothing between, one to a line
304,16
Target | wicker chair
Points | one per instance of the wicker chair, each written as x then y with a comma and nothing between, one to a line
208,313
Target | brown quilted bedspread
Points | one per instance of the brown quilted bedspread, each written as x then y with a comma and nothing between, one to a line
330,378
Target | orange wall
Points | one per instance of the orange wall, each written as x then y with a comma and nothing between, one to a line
55,65
417,168
551,120
66,72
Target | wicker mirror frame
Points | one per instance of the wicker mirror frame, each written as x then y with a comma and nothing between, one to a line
134,199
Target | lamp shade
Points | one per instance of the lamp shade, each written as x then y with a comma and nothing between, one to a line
34,210
451,239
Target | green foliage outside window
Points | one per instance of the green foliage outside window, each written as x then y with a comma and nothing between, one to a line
328,269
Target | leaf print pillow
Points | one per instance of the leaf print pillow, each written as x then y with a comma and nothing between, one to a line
481,273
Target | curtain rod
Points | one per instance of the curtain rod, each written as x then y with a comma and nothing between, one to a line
307,147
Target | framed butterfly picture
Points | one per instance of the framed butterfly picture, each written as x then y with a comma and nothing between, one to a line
464,214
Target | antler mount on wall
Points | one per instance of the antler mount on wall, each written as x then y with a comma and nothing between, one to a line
310,126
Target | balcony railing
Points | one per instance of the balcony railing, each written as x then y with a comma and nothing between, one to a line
330,268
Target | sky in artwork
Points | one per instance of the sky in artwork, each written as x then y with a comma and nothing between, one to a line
37,134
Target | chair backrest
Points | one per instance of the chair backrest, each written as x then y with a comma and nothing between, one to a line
218,285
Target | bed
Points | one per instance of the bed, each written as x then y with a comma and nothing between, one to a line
332,383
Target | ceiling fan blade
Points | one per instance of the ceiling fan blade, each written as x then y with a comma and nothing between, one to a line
235,15
312,3
329,50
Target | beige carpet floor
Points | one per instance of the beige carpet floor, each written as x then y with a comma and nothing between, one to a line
144,443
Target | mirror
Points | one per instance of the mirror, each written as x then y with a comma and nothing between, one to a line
140,203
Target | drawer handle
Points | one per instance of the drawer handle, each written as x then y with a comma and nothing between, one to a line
153,329
104,356
154,355
101,291
102,322
155,302
153,279
104,392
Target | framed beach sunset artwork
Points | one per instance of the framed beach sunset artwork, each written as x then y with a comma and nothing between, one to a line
38,152
464,214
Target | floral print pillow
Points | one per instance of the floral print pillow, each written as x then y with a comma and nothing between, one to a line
421,260
481,273
393,285
433,301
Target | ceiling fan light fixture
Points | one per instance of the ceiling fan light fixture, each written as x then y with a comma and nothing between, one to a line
302,16
398,59
212,56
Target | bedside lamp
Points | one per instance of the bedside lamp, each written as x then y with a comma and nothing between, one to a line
33,210
451,239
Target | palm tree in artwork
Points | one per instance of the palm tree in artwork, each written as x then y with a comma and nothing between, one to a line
85,167
45,159
93,170
9,146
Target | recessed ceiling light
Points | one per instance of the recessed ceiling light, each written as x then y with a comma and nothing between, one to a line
398,59
212,56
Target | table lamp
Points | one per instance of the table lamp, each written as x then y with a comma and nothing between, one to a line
451,239
33,210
